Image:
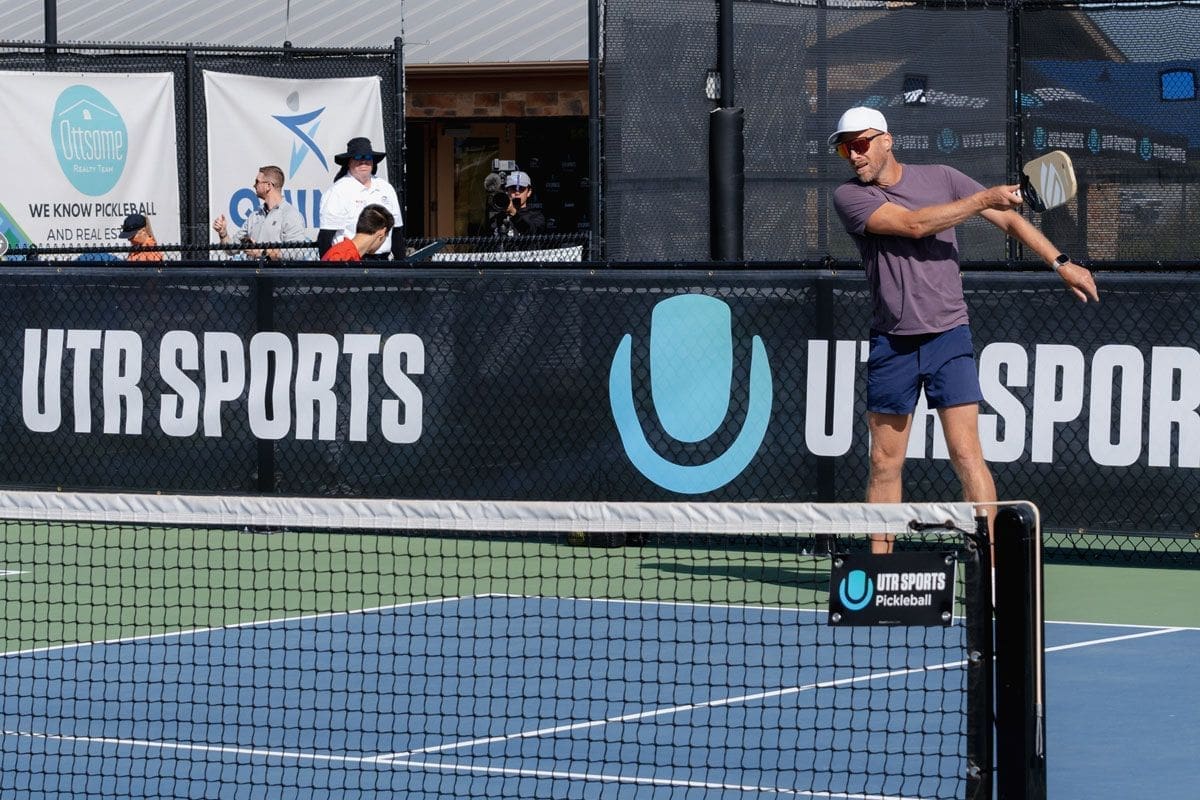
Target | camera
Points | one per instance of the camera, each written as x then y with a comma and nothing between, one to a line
497,201
493,184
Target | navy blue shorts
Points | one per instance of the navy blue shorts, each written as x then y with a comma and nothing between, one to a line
941,363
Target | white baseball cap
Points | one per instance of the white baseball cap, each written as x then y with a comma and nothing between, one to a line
859,118
518,179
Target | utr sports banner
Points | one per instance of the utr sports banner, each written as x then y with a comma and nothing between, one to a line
80,151
296,125
575,385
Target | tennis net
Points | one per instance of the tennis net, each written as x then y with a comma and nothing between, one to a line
179,646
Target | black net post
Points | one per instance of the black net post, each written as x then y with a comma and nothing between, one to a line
980,664
1020,657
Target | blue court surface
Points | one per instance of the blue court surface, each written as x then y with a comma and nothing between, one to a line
1123,712
500,696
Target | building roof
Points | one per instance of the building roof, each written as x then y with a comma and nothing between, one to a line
1130,91
434,31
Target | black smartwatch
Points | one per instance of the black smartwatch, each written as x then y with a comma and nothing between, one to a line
1059,260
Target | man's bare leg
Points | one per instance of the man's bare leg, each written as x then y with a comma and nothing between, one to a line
889,444
961,426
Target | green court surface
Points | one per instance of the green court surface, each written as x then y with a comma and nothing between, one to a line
80,584
1124,595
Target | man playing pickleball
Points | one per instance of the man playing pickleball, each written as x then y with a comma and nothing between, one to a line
902,218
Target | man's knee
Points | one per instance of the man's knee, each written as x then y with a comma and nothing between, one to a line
886,464
968,459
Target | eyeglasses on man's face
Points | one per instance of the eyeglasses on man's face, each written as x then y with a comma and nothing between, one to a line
860,145
368,157
517,189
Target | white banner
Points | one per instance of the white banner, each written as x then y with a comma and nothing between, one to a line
296,125
80,151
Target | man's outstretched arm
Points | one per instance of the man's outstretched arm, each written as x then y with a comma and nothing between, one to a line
892,219
1078,279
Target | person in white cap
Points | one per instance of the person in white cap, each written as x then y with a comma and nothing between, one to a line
902,218
520,219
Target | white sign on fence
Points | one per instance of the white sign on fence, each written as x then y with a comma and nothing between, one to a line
294,124
81,151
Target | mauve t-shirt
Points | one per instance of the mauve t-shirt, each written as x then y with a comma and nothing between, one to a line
916,286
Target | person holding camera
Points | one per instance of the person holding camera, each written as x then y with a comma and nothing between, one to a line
518,218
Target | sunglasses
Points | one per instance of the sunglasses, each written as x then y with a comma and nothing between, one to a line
859,146
517,188
362,157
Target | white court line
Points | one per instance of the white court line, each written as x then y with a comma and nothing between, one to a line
680,709
150,637
1120,625
403,759
644,602
557,729
674,603
8,573
286,755
813,610
1111,639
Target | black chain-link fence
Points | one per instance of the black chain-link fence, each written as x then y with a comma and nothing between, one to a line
589,384
1091,413
977,84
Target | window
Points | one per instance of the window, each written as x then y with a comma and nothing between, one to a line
1177,84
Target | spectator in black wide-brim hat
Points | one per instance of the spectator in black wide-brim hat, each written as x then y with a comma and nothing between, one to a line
354,188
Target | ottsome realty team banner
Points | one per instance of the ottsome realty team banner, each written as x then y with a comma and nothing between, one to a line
80,151
296,125
553,385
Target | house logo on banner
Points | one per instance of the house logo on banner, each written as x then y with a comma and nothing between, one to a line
110,152
290,123
90,140
691,369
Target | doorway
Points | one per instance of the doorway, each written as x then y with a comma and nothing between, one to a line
465,151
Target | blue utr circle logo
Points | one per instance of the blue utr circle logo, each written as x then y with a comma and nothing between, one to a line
691,376
90,140
856,591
